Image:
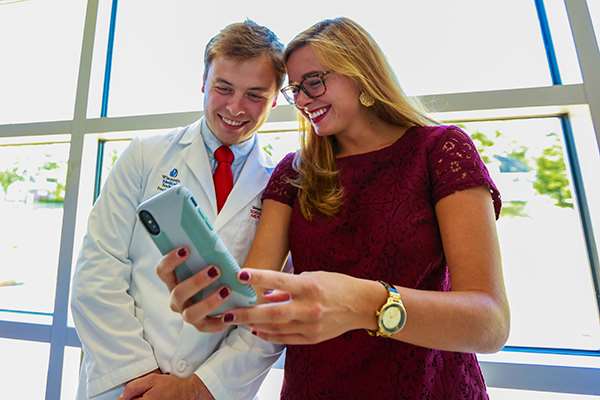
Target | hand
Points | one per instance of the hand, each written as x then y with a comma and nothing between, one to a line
319,306
158,386
181,293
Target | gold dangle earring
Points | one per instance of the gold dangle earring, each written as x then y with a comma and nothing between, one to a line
366,99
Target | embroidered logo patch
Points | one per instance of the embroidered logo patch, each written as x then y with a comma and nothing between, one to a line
169,180
255,212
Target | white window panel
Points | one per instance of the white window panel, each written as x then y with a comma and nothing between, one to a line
70,373
546,266
41,46
23,369
33,177
562,39
434,46
594,7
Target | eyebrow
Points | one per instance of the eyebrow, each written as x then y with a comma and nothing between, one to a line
255,88
306,75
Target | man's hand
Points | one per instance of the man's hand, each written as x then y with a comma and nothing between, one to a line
158,386
181,293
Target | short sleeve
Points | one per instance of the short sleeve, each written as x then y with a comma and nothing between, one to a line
456,165
279,188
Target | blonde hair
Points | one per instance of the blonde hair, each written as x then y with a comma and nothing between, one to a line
244,41
344,47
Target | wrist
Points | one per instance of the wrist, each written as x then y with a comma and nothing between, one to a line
201,392
371,295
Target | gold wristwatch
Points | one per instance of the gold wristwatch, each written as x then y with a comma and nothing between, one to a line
391,317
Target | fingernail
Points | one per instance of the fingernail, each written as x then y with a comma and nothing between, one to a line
244,276
212,272
229,317
224,292
182,252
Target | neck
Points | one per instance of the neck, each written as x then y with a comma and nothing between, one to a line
366,135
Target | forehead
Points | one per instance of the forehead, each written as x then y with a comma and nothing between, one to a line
301,62
257,72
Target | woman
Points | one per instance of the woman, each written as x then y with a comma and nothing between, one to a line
391,227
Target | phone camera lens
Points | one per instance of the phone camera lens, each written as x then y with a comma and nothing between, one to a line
149,222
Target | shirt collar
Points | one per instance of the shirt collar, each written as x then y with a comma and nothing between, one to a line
240,150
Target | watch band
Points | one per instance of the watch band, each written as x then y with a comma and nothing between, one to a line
393,298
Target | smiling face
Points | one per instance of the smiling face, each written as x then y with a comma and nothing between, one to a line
238,95
335,111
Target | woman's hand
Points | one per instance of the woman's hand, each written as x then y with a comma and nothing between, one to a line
319,306
181,293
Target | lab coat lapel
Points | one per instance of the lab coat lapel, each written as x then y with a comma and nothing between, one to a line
197,160
252,180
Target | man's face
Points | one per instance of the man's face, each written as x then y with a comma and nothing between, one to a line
238,95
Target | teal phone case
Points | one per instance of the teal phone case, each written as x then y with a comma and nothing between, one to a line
181,222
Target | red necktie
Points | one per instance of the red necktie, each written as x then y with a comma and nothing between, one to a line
223,177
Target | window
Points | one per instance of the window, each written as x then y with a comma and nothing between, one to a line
24,368
70,373
462,46
154,66
40,58
594,9
32,180
542,241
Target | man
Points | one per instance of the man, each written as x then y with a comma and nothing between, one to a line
133,344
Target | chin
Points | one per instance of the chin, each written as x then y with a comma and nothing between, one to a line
323,132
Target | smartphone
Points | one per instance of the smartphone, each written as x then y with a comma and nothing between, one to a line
173,219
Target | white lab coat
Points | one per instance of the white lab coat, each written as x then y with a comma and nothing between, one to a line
121,308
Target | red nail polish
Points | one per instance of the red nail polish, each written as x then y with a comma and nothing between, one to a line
212,272
224,292
182,252
228,317
244,276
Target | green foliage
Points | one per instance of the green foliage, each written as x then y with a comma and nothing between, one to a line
268,149
482,141
10,176
515,208
551,173
551,177
519,154
113,158
50,165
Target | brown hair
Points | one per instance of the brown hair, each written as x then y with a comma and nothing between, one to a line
243,41
346,48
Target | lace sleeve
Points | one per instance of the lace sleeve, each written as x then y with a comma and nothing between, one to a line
455,165
279,187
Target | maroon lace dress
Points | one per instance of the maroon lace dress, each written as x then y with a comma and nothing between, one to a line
387,230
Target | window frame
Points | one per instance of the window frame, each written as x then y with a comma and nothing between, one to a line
558,99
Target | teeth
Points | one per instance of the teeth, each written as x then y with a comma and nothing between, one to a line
232,122
317,113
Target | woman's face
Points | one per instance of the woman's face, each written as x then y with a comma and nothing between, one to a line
333,112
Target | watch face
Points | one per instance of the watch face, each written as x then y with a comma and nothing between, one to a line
392,317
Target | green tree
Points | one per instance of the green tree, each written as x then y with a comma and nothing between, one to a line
51,165
513,208
268,149
58,194
519,154
482,141
551,177
114,156
10,176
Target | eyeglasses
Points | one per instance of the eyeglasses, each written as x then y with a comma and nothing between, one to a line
312,85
